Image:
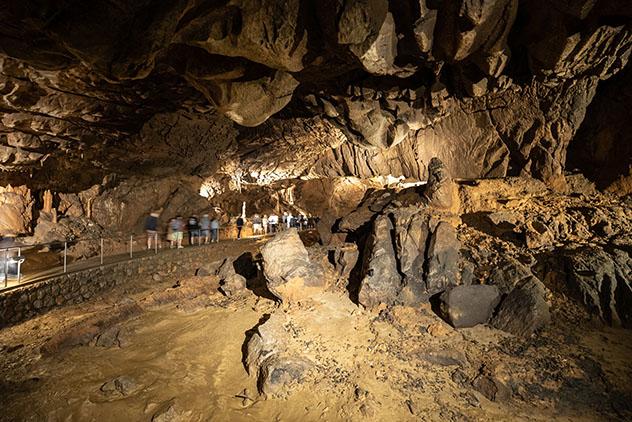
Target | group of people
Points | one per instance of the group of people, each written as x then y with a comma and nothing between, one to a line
206,230
203,230
273,224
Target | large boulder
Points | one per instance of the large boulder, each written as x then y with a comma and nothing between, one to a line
288,270
467,306
231,283
524,310
268,358
382,281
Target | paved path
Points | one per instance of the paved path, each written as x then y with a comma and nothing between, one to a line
95,262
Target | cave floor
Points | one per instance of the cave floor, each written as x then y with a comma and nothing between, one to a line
182,360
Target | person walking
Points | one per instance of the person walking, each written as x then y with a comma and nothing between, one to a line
288,220
177,230
151,227
205,228
240,226
214,230
170,231
273,221
193,228
303,222
256,225
283,221
264,223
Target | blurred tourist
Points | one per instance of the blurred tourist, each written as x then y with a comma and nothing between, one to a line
264,223
205,228
256,225
193,228
177,230
151,227
273,222
240,225
214,230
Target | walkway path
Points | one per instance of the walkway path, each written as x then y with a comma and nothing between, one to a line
95,262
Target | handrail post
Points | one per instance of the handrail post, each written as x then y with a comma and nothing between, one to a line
6,267
131,239
101,251
19,264
65,256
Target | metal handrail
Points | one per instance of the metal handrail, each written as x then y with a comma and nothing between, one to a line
157,245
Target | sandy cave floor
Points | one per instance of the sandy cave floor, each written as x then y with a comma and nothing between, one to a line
396,364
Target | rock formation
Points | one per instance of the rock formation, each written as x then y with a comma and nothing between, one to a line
475,84
467,306
524,310
16,205
290,273
454,256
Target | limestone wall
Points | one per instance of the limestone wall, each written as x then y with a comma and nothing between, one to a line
25,302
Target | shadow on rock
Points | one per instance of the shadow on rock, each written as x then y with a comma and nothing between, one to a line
248,335
247,266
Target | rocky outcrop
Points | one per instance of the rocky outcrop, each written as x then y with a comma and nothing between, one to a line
16,205
231,283
409,261
442,258
428,253
524,310
382,280
440,191
412,252
269,359
475,83
467,306
290,274
602,282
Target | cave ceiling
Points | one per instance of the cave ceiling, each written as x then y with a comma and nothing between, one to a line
298,88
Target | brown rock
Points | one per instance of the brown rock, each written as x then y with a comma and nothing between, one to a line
288,270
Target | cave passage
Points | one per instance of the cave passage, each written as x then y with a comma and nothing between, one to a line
315,210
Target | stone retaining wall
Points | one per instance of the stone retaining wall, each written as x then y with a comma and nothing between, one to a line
23,303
